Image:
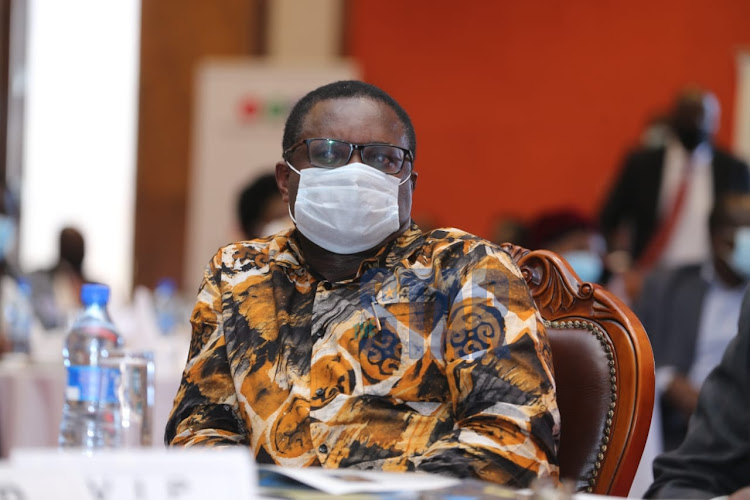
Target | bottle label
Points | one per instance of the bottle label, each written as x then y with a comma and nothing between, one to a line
91,383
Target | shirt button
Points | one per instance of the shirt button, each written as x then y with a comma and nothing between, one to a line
323,448
320,392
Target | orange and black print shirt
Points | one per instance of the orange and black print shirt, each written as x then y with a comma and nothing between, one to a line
433,358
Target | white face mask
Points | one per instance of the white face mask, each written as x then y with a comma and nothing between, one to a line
347,209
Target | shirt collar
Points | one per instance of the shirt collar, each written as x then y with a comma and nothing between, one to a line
701,155
289,253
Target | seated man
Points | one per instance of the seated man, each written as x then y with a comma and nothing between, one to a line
690,314
714,458
355,340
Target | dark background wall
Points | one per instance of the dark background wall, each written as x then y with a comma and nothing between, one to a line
521,106
518,106
175,36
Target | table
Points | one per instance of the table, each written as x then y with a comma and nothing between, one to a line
31,401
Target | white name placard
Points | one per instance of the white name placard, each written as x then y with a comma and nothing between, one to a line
27,484
147,474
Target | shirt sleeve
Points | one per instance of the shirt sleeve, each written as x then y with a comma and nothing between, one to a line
499,369
205,410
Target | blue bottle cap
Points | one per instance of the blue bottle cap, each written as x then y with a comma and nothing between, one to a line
166,286
94,293
24,287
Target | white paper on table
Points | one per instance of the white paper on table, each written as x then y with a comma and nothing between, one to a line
344,481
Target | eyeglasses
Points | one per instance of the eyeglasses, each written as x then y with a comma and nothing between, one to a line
332,153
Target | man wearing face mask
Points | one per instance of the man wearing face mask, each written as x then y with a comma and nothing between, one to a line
357,340
657,209
690,314
574,237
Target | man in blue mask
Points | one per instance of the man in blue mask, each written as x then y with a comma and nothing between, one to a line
575,238
690,314
358,340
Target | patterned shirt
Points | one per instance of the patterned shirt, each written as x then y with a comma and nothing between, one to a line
432,358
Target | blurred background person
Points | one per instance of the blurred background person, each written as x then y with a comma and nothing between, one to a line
510,228
656,211
9,274
56,290
656,132
260,209
575,238
426,221
690,313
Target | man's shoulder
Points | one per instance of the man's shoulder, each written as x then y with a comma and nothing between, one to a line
258,252
645,156
453,243
676,277
452,236
724,157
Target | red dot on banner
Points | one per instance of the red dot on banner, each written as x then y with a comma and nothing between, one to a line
249,108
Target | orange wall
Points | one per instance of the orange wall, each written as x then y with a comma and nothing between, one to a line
524,106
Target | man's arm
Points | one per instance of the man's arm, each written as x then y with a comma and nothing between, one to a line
205,408
714,458
498,365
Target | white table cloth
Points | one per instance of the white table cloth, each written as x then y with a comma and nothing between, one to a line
31,401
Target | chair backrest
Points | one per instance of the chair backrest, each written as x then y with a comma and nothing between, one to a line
604,373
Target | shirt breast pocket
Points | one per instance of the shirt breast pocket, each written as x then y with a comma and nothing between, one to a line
401,355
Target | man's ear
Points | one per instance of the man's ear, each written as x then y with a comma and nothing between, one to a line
414,176
282,180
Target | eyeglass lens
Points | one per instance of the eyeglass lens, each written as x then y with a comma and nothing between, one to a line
328,153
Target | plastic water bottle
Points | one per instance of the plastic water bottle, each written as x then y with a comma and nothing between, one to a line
90,401
19,315
166,303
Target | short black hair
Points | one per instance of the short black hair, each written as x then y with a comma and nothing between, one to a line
341,90
253,199
721,214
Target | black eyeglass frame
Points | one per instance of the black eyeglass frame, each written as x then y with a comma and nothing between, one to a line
408,155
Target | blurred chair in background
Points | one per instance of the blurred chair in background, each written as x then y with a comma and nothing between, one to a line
656,211
260,209
690,313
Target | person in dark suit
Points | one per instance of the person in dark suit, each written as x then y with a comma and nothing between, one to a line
642,217
690,313
714,458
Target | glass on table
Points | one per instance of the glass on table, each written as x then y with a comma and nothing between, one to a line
129,393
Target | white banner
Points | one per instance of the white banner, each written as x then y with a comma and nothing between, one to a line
240,109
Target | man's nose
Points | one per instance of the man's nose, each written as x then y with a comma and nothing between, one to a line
356,156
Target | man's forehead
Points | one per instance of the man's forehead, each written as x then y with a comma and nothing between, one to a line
355,119
738,211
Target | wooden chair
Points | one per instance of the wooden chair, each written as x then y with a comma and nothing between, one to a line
604,372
